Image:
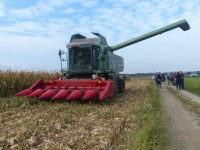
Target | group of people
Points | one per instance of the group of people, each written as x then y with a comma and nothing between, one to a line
177,79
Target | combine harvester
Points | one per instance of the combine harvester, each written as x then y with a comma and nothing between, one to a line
93,69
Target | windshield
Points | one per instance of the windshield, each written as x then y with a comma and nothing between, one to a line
80,59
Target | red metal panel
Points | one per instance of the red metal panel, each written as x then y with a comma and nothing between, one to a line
76,94
36,93
61,94
108,92
24,92
90,94
49,93
70,89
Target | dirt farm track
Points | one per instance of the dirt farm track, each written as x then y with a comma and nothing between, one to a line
35,124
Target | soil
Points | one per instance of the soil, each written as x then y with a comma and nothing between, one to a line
183,126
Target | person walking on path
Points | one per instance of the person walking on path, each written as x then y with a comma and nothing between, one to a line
168,80
182,80
178,81
159,80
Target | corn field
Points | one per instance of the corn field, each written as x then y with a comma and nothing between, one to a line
117,123
12,82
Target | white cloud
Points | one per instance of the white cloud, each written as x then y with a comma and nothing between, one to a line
22,13
41,8
2,9
69,11
89,3
23,28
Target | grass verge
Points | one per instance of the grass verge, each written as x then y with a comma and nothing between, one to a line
148,132
193,85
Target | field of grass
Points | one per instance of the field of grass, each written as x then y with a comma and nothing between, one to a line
129,121
193,85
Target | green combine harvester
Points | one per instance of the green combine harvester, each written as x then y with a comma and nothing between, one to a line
93,69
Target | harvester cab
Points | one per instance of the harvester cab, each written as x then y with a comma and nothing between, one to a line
93,69
88,56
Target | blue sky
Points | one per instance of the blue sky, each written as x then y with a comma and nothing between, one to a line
32,32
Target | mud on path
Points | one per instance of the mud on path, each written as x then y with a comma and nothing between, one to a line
26,124
182,124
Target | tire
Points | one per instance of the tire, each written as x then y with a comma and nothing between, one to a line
120,85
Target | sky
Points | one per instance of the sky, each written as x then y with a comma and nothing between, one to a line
33,31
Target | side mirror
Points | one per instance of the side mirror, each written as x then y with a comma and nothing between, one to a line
60,53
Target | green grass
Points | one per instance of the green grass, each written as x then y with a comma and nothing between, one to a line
148,134
193,85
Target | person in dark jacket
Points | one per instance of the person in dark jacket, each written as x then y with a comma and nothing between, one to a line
178,81
159,80
182,80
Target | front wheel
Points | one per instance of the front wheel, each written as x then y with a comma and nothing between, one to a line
120,85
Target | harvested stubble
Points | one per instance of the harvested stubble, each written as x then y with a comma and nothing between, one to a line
73,125
11,82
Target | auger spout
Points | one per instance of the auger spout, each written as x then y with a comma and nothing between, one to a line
182,24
